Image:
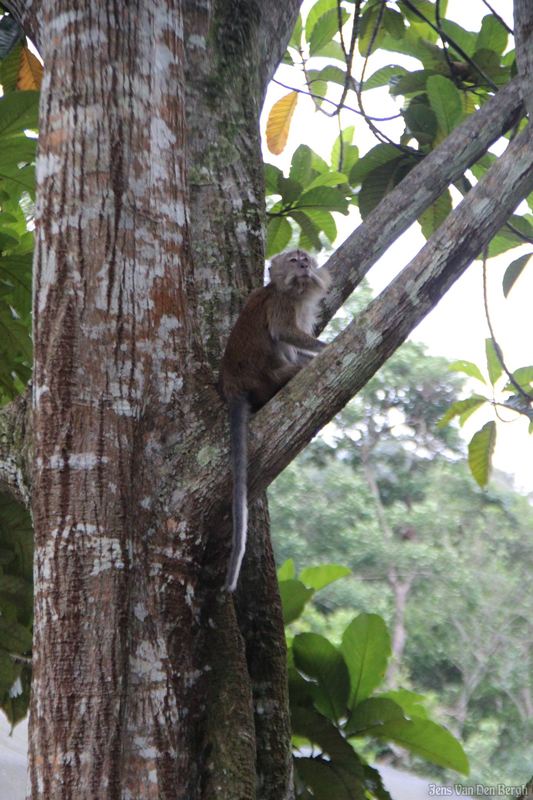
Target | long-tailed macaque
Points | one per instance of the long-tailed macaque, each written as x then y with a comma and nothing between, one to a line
271,341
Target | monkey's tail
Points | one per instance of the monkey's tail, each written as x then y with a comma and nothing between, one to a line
239,415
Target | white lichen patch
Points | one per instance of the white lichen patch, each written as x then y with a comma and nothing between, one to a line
349,360
206,455
373,338
108,555
140,611
77,461
38,392
196,41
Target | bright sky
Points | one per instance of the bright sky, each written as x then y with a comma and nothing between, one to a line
457,328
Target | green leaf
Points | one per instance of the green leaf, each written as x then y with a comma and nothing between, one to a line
434,216
327,780
346,137
366,649
394,23
7,672
492,36
322,221
314,727
480,451
296,38
14,636
287,571
409,702
315,12
294,596
465,39
272,175
463,409
324,197
445,100
383,76
332,50
469,368
19,111
367,27
318,577
23,179
324,30
381,181
411,83
10,33
422,122
384,718
301,165
278,235
330,73
494,366
315,656
309,234
289,189
513,271
12,586
329,179
380,154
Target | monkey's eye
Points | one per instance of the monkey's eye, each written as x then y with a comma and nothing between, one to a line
293,259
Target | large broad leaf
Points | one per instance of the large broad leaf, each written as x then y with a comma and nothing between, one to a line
380,154
301,165
328,780
272,175
341,144
309,235
366,648
324,197
332,50
421,121
412,82
384,718
434,216
318,577
294,596
469,368
318,730
322,220
394,23
371,30
19,111
278,235
381,181
513,271
287,571
7,672
14,636
445,100
463,409
465,39
296,38
409,702
325,29
480,451
494,365
279,122
315,12
492,36
384,76
315,656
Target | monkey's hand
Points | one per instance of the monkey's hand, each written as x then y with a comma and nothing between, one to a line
301,340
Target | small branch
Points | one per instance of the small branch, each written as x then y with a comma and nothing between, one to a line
500,19
497,348
332,102
418,190
453,43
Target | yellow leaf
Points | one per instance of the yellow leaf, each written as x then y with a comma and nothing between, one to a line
30,71
279,123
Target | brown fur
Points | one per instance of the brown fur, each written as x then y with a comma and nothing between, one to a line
272,338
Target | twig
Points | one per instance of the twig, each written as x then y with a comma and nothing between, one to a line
497,348
500,19
325,100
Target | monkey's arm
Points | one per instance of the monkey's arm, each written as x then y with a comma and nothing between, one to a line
299,339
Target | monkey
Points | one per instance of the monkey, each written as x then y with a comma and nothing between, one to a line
270,343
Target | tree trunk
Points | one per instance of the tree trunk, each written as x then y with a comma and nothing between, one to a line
149,163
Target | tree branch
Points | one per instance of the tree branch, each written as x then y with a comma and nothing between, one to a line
27,12
278,18
418,190
289,421
523,25
15,448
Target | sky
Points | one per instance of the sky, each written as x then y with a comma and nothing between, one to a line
457,328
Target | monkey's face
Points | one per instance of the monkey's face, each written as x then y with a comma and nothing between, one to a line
294,270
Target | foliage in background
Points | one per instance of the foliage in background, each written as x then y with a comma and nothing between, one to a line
20,77
334,701
462,556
